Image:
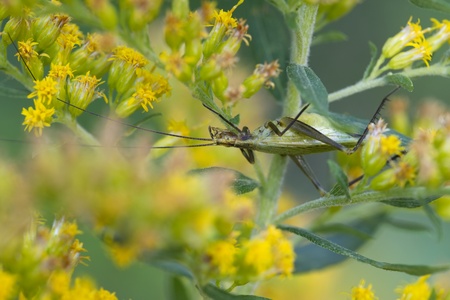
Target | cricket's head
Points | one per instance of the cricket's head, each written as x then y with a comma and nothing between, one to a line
223,137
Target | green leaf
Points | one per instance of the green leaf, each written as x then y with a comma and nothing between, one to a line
176,289
12,93
219,294
434,218
401,80
310,87
340,177
407,225
328,37
408,202
373,59
203,92
173,267
439,5
241,183
418,270
311,257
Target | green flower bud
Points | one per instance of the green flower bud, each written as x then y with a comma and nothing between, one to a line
46,29
384,181
219,86
372,160
252,85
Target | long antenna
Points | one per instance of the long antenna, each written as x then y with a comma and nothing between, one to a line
108,118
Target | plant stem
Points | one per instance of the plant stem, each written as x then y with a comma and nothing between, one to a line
301,42
434,70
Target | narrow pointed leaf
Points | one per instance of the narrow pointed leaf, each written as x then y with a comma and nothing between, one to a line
417,270
177,290
439,5
340,177
328,37
173,267
373,58
241,183
310,87
311,257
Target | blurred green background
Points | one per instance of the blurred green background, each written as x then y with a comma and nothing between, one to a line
338,65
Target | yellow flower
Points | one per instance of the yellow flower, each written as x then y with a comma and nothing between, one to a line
7,283
129,56
45,90
409,33
222,256
418,290
421,51
123,255
143,96
70,36
361,292
82,91
38,117
59,282
441,36
258,256
26,50
226,17
60,72
390,145
105,295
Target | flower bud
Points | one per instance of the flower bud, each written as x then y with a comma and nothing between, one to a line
396,43
46,29
372,160
384,181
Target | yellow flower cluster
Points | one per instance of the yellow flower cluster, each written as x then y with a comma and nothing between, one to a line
262,256
420,289
413,43
194,217
39,264
425,161
197,55
77,64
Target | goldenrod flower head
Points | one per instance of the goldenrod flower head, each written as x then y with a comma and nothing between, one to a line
125,63
38,117
129,56
144,96
46,29
415,291
60,72
405,173
26,50
421,51
261,76
45,90
223,22
82,91
409,33
267,254
225,18
59,282
222,256
177,65
7,285
70,36
441,36
390,145
361,292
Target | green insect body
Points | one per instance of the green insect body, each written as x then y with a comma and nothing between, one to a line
292,142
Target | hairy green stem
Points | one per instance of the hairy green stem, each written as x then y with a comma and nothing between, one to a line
434,70
301,42
417,193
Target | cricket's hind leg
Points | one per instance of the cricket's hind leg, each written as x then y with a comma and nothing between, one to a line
300,161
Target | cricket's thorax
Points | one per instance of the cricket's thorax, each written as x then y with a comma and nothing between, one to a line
293,142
